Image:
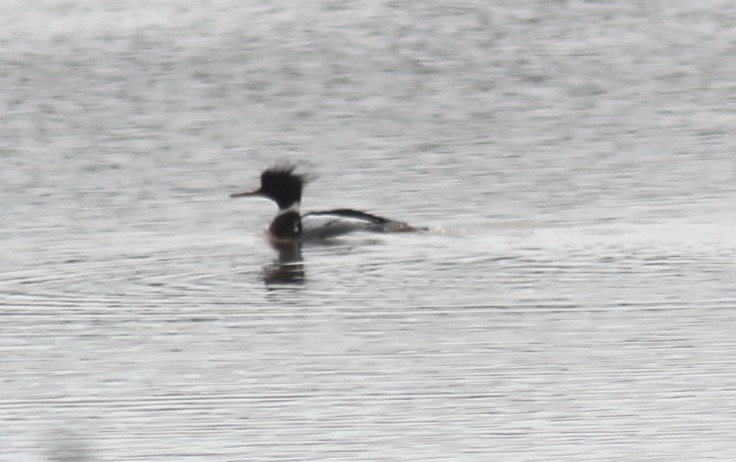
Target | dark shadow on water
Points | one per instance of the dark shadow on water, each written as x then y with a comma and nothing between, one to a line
288,268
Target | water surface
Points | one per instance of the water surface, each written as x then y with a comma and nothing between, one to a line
574,300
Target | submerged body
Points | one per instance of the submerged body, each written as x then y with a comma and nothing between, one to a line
282,185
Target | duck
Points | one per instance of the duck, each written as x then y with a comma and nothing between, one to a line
282,184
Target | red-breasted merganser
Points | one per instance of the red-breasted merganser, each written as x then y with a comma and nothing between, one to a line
282,185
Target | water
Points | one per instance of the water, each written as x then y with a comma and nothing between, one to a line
573,302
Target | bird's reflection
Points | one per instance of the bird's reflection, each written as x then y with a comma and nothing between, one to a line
288,268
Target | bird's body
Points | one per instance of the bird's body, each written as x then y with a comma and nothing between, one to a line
282,185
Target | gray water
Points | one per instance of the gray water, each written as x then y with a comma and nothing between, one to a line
574,300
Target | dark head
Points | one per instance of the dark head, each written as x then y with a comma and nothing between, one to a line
280,184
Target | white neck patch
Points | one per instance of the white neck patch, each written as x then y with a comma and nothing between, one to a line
292,208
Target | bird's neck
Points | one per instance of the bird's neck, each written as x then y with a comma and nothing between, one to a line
294,207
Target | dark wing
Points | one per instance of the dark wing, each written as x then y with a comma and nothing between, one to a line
331,223
354,214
